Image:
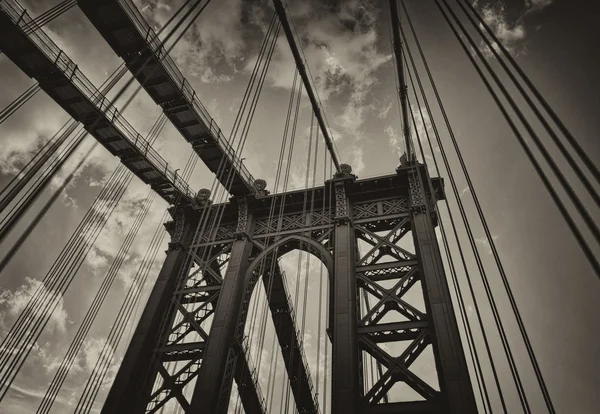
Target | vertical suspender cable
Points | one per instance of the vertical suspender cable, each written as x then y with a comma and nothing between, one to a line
11,373
21,100
561,126
559,204
453,183
500,267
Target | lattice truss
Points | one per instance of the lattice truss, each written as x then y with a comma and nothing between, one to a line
268,273
392,328
292,223
186,327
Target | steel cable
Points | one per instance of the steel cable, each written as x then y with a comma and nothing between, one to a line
503,276
561,126
462,309
491,300
102,293
552,191
31,322
18,102
120,93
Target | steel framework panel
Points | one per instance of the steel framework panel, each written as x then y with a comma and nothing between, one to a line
133,39
40,58
357,229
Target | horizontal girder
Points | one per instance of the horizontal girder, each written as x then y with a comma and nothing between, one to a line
40,58
132,38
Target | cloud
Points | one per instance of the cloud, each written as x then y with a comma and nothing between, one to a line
511,35
354,156
385,109
483,241
419,131
214,43
394,139
341,53
13,303
536,5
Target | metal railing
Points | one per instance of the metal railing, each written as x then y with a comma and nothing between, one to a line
43,42
253,373
300,339
157,47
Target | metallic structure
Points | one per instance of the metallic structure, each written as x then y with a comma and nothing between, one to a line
197,310
380,212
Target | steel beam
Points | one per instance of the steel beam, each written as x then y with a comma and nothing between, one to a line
290,344
301,66
453,374
131,37
40,58
213,385
130,391
345,357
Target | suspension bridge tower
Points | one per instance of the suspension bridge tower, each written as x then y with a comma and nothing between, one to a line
376,239
379,211
198,308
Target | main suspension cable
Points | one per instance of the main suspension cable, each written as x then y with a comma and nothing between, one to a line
459,202
558,122
559,204
498,262
21,100
90,317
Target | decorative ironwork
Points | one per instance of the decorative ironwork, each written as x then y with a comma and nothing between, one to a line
177,235
242,224
225,232
321,218
417,196
293,221
265,226
394,206
260,186
365,210
345,172
341,202
203,197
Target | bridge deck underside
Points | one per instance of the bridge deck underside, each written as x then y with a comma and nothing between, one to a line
130,36
59,77
289,341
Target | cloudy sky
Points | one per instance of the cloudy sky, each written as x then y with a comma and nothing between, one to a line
347,47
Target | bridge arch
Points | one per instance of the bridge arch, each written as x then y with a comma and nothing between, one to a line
288,244
281,247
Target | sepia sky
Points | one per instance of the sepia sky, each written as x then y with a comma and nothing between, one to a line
348,50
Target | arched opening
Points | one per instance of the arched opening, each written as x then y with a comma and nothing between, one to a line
305,266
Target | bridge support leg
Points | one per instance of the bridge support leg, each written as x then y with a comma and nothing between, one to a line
211,393
345,369
453,374
131,389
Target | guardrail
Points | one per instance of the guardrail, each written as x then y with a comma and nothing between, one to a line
300,339
254,373
157,47
22,20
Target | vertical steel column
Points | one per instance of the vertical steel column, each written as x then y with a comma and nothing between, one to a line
453,374
131,389
345,371
217,369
